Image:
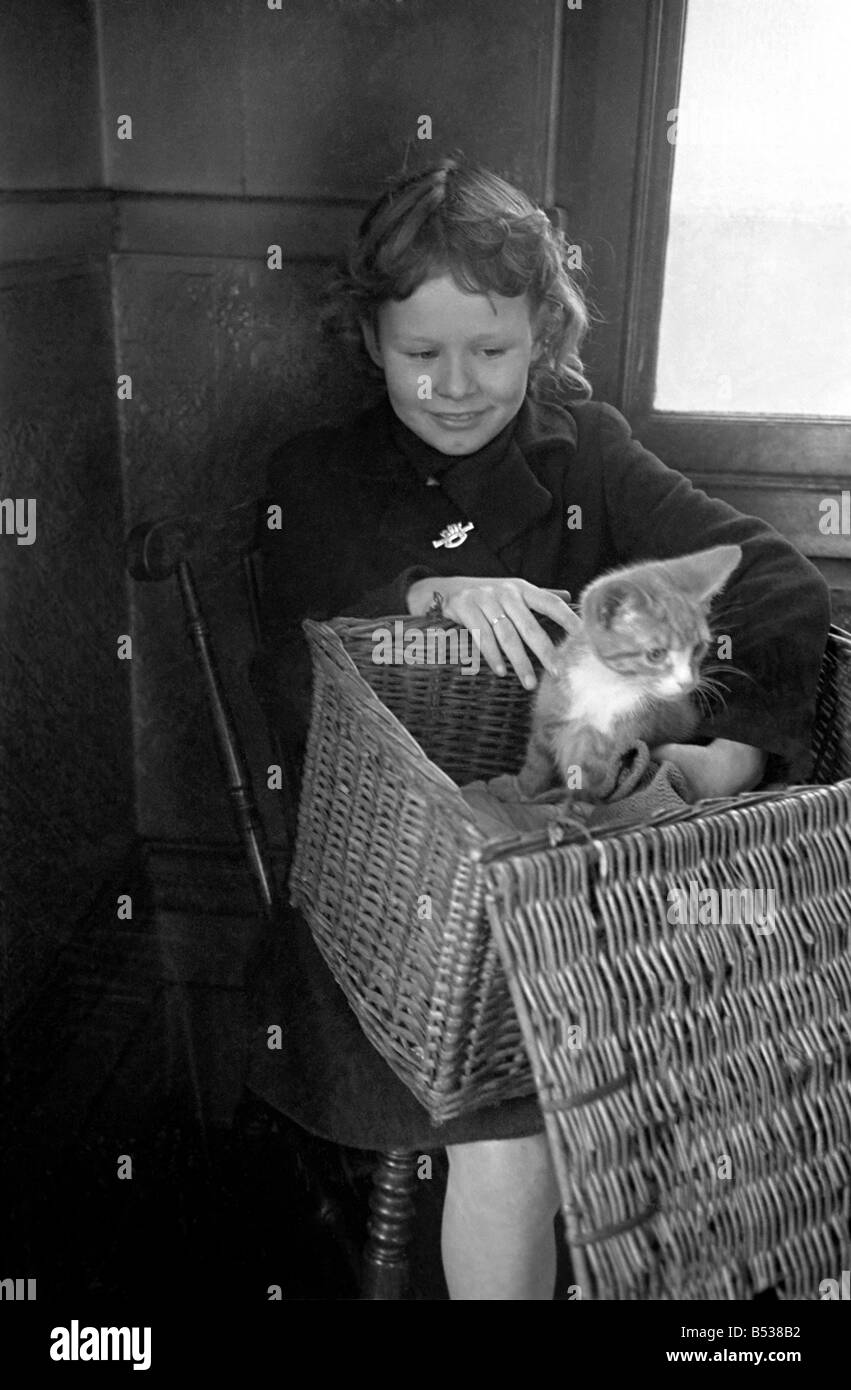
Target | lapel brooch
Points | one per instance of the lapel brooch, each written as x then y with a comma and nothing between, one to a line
453,535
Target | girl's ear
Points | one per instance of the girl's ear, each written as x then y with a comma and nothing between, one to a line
371,342
539,323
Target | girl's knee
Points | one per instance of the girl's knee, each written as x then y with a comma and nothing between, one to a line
511,1175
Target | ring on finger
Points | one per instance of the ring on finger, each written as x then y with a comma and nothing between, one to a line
498,619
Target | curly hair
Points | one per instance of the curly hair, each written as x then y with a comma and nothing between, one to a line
459,218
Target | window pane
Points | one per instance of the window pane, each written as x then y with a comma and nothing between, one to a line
756,309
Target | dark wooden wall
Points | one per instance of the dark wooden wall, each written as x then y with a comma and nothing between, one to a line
66,787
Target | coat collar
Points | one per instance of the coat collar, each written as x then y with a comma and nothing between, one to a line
496,488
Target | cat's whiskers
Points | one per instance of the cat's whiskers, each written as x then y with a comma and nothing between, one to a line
709,699
727,667
708,683
712,694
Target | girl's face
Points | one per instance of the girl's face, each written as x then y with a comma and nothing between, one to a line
475,351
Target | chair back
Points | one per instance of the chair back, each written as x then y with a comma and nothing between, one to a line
177,548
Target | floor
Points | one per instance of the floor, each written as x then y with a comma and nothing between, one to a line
171,1208
117,1184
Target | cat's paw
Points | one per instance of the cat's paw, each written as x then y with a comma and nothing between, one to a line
532,782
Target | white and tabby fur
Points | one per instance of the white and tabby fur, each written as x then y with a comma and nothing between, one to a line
612,688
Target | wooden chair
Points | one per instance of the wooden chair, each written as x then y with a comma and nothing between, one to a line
175,548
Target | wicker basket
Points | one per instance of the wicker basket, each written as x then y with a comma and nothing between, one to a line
696,1079
389,863
392,872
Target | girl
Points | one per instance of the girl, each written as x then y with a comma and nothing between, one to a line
468,479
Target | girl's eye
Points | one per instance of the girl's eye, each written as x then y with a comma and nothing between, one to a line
493,352
427,352
656,654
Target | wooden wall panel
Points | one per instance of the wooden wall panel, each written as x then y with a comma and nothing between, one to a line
226,361
595,165
66,799
49,122
337,89
174,69
66,792
320,99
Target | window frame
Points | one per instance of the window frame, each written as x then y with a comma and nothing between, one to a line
777,466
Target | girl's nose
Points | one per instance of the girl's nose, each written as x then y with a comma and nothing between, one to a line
454,378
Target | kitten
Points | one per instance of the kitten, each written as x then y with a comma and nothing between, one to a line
628,673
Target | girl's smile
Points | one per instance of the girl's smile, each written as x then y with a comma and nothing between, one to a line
458,421
456,364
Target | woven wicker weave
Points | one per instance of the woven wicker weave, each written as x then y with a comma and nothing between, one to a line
388,865
700,1119
391,871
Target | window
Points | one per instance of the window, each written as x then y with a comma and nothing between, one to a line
756,295
719,252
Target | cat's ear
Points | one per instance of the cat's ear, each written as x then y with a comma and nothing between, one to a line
601,603
706,572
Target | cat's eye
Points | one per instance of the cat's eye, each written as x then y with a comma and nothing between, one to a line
656,654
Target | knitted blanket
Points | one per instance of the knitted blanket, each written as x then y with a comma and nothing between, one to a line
637,789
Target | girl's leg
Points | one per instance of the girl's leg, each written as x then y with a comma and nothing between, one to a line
498,1234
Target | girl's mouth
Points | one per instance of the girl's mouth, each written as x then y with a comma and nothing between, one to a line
461,420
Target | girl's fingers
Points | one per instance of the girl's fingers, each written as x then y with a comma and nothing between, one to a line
509,638
471,616
549,602
499,617
526,624
532,634
498,642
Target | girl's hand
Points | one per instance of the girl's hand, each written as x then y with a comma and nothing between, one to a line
720,768
500,615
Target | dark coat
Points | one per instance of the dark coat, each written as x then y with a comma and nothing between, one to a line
359,524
